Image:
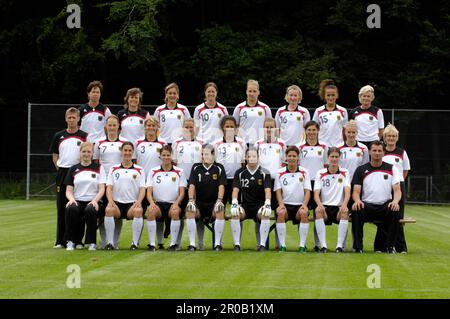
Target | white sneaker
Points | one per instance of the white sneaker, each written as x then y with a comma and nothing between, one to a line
59,246
79,247
70,246
92,247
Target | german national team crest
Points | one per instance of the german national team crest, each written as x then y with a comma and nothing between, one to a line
100,118
397,160
134,176
197,148
319,153
158,149
338,117
93,175
260,182
141,121
214,177
340,180
259,113
299,118
219,115
174,179
277,151
385,176
371,118
79,143
358,154
179,116
236,149
300,179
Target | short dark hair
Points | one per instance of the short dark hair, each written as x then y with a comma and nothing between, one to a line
292,148
227,118
127,143
94,84
333,150
166,147
377,143
312,123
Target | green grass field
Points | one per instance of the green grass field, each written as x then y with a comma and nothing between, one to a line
31,268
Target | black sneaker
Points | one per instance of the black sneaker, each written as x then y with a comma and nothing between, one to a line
323,250
151,247
133,247
172,248
160,246
237,248
316,249
262,248
218,248
109,247
339,250
391,250
358,251
192,248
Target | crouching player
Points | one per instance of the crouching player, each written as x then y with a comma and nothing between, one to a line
166,187
293,190
206,190
332,193
251,198
125,190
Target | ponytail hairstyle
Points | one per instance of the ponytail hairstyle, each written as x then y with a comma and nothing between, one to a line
324,85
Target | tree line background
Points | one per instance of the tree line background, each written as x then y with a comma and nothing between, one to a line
150,43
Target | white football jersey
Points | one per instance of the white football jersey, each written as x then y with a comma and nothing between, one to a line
126,182
291,123
132,124
108,152
293,184
147,154
85,181
331,124
171,121
271,155
369,122
251,120
187,153
332,186
166,184
399,159
353,156
230,155
207,121
313,157
93,120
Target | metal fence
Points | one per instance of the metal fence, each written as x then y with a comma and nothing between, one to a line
423,134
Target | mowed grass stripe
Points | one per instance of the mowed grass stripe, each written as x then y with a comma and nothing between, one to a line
35,270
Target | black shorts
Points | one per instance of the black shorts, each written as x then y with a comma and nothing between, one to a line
164,208
251,211
206,210
292,213
124,208
312,203
332,212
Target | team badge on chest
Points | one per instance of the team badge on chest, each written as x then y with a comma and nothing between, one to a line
397,160
174,178
214,177
340,180
299,118
141,121
100,118
319,153
93,175
371,118
260,182
179,116
259,113
358,154
78,143
338,117
385,176
134,176
300,179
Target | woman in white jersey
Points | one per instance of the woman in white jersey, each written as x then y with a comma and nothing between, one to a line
293,191
132,117
332,194
125,190
331,117
291,118
166,189
107,152
398,157
85,188
172,114
313,157
369,118
250,114
353,153
207,115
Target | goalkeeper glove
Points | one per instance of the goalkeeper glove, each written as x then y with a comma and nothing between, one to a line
266,210
234,210
219,206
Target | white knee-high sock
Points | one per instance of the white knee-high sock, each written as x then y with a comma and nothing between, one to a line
138,222
192,229
236,230
200,233
174,229
117,230
109,227
264,231
303,233
151,228
342,232
321,232
281,232
160,232
218,231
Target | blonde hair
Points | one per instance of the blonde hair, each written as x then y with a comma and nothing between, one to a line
87,144
172,85
131,92
253,82
152,119
366,89
293,87
72,110
188,120
270,119
112,116
348,125
390,129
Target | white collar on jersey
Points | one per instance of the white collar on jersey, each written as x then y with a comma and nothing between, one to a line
257,168
207,168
